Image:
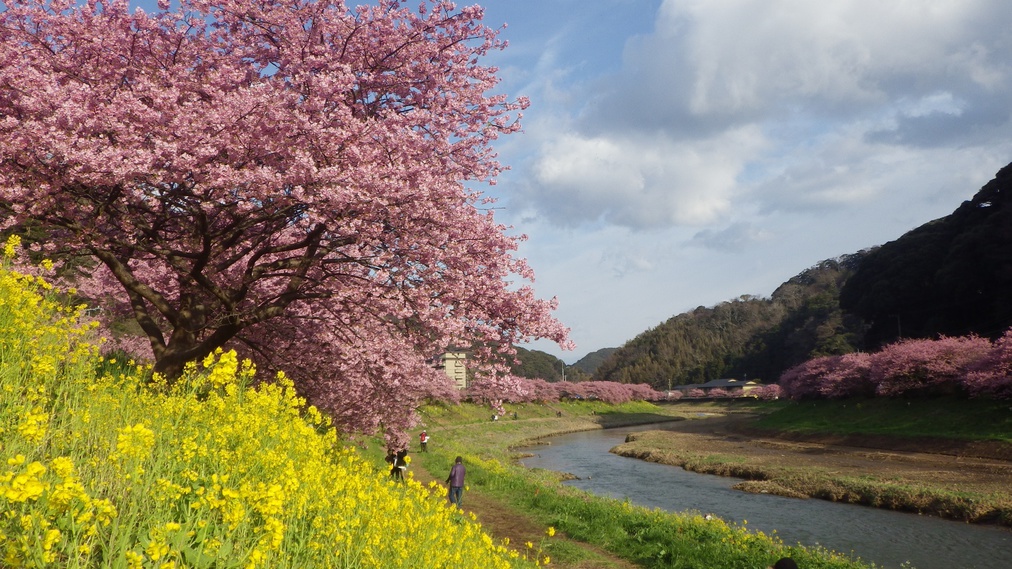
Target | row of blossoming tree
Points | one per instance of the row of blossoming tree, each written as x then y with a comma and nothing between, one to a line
524,390
956,366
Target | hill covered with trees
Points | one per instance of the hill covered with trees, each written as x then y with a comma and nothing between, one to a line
745,337
949,277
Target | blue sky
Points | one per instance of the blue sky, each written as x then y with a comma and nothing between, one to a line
680,153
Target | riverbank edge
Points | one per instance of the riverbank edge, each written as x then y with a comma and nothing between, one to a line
640,535
876,493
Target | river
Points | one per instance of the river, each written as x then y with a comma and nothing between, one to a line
883,537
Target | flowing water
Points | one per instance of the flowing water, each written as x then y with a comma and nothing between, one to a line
883,537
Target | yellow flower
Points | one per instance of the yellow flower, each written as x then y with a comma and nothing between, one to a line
52,536
551,531
63,467
134,560
13,243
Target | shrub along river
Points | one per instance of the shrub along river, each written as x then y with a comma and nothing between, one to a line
888,539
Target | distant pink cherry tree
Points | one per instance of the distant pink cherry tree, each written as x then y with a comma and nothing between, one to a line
991,376
926,366
830,377
539,390
293,179
494,391
768,392
719,393
644,392
802,381
847,375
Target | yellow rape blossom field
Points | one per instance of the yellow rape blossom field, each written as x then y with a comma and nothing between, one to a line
106,465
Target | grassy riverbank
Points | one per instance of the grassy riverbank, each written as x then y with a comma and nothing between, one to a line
943,458
941,419
648,538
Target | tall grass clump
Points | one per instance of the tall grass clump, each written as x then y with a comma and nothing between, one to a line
216,469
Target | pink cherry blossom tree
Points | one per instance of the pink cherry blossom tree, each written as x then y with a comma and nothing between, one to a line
768,392
539,390
926,366
293,179
802,381
991,375
847,375
718,393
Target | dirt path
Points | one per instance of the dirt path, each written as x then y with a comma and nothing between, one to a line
501,521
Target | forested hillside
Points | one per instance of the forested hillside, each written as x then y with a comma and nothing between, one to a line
590,362
746,337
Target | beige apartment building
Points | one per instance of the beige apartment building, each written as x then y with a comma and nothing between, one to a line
454,364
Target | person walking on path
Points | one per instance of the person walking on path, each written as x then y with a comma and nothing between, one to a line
424,440
456,481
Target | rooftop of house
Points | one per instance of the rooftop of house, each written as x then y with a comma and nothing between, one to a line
715,383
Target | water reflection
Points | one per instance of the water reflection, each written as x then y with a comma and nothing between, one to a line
884,537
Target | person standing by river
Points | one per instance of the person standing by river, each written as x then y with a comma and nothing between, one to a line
456,481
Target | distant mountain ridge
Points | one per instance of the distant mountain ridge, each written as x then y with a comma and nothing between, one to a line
590,362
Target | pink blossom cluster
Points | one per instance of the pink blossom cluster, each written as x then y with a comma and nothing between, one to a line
522,390
767,392
968,365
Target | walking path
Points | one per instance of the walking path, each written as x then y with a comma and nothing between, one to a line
502,522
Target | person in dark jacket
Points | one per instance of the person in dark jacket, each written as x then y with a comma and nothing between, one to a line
456,481
399,463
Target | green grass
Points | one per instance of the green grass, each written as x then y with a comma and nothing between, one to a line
974,419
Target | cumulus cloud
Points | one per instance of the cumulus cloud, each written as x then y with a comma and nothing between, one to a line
782,104
641,182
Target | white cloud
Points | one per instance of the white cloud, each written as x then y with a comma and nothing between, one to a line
749,54
640,182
